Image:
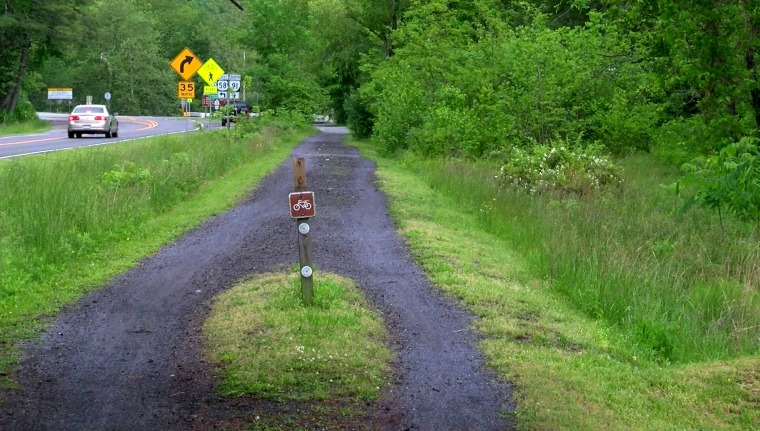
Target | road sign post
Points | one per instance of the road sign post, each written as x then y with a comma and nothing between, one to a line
301,208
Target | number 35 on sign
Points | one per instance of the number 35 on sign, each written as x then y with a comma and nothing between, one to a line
186,90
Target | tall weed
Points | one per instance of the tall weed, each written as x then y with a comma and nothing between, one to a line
681,288
61,207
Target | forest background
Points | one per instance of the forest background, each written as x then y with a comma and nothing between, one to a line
471,78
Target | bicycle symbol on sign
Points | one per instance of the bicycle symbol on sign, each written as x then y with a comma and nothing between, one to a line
302,204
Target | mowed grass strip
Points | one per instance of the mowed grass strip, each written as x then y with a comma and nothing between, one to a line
33,126
69,221
271,346
571,370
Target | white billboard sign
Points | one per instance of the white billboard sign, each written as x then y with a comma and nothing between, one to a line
60,93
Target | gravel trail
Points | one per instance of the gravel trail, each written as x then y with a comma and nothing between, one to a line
129,355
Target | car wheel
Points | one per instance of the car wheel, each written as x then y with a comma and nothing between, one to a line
71,135
116,133
224,122
79,135
109,134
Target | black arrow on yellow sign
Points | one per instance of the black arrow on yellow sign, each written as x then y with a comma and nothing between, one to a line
188,59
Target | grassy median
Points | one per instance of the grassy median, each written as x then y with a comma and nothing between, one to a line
330,356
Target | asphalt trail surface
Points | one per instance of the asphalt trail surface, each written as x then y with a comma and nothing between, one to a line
129,356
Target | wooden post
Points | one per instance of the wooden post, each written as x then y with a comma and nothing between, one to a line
304,243
299,174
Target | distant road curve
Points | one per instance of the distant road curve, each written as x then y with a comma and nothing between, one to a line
130,128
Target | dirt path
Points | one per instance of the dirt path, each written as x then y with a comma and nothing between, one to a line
129,357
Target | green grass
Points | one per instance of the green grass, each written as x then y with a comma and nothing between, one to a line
681,287
542,277
609,313
271,346
34,126
71,220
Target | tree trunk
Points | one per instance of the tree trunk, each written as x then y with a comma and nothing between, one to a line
752,33
21,72
392,26
754,92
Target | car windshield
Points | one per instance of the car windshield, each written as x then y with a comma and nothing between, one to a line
89,110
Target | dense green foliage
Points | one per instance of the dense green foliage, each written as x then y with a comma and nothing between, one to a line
616,77
729,180
30,31
441,77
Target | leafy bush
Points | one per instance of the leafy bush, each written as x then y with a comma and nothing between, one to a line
729,179
246,125
358,116
25,111
126,174
447,131
284,119
460,85
559,169
396,112
678,141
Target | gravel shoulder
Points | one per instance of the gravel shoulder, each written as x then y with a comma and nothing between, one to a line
130,357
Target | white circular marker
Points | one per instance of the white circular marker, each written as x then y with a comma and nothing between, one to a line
306,271
303,228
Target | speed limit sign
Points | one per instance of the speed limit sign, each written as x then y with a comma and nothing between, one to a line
185,89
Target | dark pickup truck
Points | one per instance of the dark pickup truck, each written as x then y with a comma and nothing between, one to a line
241,108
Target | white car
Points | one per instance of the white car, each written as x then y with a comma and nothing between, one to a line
92,119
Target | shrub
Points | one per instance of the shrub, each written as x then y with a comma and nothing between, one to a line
358,117
559,169
729,179
126,174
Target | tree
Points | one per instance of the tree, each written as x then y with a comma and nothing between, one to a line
353,32
121,57
286,74
29,33
705,57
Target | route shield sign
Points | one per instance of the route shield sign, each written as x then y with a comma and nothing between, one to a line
185,64
210,71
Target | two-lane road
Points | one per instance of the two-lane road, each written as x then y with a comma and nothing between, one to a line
55,140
